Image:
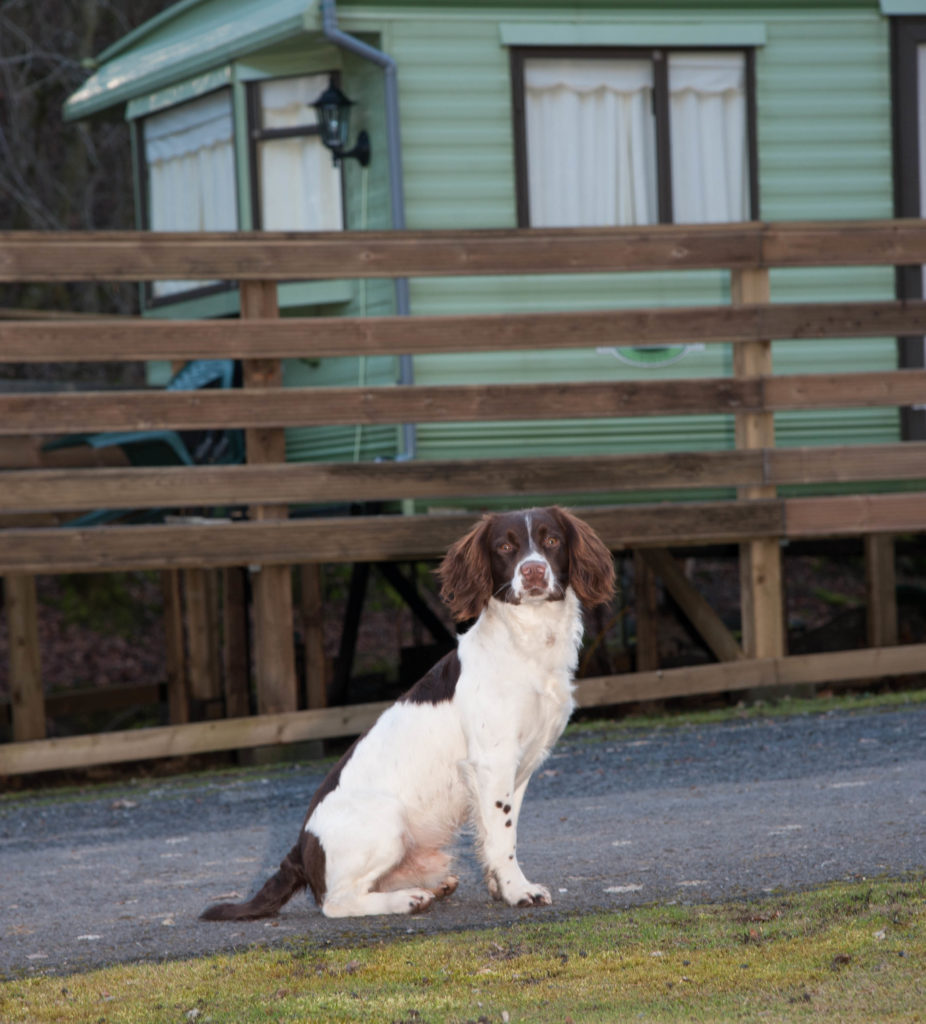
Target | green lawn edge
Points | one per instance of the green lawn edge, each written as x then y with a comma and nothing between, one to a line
851,951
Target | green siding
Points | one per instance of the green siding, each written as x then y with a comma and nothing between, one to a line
823,100
824,136
366,192
824,118
320,444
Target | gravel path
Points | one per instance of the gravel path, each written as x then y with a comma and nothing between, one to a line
617,816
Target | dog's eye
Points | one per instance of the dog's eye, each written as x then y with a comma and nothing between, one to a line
551,542
505,548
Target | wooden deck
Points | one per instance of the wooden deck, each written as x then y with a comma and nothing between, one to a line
758,518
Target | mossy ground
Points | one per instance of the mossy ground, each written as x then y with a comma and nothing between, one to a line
850,952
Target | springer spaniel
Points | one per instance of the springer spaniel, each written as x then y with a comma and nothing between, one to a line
460,746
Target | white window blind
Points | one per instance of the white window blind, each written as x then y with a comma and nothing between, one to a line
591,140
710,150
591,154
300,188
191,172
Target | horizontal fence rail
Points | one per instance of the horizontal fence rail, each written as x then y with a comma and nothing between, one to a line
398,538
355,539
268,515
250,256
308,407
324,723
123,339
49,490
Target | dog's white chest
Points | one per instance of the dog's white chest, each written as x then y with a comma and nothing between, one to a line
515,690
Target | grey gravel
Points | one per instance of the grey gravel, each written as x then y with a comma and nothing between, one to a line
616,816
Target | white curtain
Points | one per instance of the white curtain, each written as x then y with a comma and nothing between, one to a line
191,172
591,150
707,124
591,153
300,188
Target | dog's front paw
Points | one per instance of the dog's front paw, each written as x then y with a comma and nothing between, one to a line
533,896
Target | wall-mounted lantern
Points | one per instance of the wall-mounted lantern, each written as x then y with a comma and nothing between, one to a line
333,109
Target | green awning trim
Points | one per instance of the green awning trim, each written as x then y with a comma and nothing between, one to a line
633,33
902,7
188,39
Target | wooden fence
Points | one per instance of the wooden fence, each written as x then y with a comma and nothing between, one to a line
758,519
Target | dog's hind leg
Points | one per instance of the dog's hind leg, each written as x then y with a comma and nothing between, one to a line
375,882
422,867
364,851
362,904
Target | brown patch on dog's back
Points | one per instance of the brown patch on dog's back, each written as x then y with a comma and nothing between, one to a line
438,684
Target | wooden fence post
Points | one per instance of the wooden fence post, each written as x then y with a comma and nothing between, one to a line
26,694
313,633
881,589
761,585
647,614
178,680
235,643
202,642
274,647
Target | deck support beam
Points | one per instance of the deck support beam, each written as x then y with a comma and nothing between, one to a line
762,595
26,693
274,651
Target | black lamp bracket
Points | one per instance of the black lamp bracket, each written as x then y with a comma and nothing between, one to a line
360,152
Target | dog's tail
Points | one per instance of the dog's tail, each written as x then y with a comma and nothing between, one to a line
290,878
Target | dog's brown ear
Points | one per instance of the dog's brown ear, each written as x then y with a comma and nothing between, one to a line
466,574
591,567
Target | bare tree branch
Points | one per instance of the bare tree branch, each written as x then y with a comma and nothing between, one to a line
56,175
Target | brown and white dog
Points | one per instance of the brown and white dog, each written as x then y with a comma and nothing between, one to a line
461,745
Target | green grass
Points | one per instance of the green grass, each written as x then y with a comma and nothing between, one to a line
851,952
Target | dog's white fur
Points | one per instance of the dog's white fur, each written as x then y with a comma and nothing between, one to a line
461,745
426,769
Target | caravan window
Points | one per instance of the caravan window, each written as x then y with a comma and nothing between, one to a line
190,183
634,137
296,185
